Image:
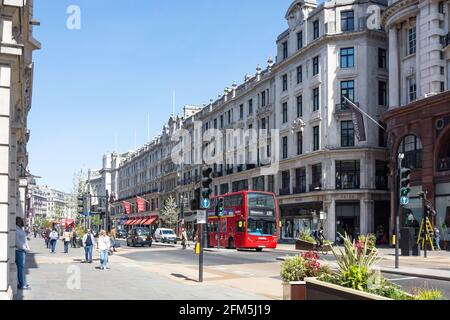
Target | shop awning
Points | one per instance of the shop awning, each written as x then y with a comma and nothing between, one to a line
150,221
129,222
138,222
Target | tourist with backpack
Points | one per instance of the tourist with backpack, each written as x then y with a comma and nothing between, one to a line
53,239
88,244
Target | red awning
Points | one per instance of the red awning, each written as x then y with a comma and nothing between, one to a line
150,221
138,222
129,222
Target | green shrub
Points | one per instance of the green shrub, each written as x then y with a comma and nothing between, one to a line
293,269
428,294
305,235
354,277
371,240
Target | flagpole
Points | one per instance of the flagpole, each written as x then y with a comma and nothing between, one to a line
362,111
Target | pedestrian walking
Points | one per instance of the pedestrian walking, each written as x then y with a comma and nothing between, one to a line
184,238
113,237
88,244
74,238
46,236
22,247
66,240
103,245
53,239
437,236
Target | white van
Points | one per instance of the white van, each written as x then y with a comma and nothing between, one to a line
165,235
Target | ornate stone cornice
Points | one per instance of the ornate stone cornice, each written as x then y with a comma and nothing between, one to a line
396,7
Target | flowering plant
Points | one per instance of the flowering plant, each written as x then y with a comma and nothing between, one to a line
302,266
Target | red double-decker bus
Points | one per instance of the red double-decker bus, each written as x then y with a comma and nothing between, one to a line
249,220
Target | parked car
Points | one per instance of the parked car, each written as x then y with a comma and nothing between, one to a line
165,235
121,234
139,236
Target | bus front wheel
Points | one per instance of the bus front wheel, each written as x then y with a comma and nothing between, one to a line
231,243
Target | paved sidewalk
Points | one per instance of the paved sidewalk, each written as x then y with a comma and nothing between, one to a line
64,277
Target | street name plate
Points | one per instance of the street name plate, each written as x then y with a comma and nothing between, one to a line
201,216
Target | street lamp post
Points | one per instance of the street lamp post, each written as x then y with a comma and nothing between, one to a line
401,156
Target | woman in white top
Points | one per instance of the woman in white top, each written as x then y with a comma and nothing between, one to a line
103,245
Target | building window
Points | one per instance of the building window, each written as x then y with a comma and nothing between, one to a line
299,143
285,82
412,89
316,138
241,111
382,58
285,183
300,180
316,99
224,188
411,146
285,147
347,134
239,185
263,123
229,116
382,93
258,183
299,40
215,123
250,106
315,65
263,99
285,50
381,175
347,174
347,90
299,106
270,183
412,40
299,74
347,57
315,29
347,21
442,86
441,7
285,112
316,178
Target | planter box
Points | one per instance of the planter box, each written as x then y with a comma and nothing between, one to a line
319,290
304,245
294,290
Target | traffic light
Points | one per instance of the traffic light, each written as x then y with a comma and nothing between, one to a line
405,180
220,207
195,202
81,205
206,183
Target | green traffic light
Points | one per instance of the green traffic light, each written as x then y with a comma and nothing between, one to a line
405,192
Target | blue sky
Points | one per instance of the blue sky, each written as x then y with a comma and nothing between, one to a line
94,84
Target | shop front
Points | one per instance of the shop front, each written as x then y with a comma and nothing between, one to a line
348,218
294,218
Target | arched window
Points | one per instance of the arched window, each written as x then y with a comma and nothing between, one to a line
411,146
444,153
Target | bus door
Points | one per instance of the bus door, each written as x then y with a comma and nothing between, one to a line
239,236
223,234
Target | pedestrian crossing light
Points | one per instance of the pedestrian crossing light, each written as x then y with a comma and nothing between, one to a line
206,183
405,180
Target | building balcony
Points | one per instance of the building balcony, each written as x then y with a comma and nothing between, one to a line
443,164
285,191
299,189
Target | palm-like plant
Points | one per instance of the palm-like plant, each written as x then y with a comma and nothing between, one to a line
355,254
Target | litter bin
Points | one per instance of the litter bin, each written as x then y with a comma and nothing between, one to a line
408,242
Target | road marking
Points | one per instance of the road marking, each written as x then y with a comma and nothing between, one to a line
402,279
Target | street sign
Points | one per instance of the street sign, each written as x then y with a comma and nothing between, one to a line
206,203
201,216
404,201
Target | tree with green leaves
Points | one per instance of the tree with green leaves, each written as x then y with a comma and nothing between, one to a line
169,214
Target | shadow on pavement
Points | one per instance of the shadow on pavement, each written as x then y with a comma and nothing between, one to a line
182,276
